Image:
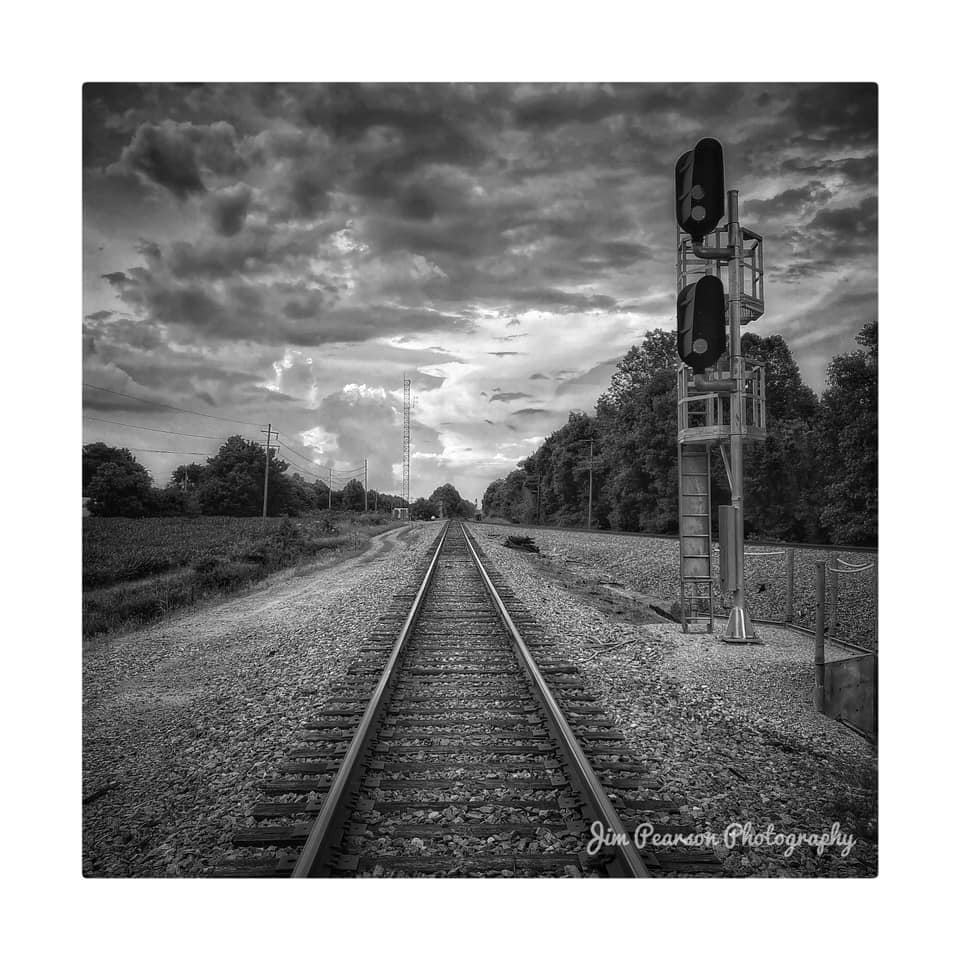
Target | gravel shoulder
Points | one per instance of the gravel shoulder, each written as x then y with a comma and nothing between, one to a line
730,729
182,720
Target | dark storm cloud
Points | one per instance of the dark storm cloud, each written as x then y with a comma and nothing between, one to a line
504,353
848,222
831,110
538,376
172,155
99,315
123,333
577,104
306,194
528,412
507,397
790,201
856,170
427,121
228,209
282,313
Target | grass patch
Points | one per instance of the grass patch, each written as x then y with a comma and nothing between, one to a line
138,571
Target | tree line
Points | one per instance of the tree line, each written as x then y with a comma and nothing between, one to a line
444,502
813,479
228,484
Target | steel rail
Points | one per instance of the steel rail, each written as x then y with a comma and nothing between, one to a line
581,771
334,804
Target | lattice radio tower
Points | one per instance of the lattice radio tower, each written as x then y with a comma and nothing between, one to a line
405,492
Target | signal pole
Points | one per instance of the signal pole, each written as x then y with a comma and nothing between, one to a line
266,469
739,626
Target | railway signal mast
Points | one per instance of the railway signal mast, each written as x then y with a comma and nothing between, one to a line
720,394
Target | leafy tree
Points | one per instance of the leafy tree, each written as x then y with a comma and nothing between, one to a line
352,495
447,502
189,475
119,487
640,450
232,483
95,455
788,397
780,474
657,351
848,445
421,509
504,498
171,501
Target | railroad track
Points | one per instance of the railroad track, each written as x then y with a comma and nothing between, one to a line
458,747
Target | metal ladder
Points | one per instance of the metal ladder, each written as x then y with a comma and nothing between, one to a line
696,581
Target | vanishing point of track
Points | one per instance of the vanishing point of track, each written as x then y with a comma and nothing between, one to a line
446,752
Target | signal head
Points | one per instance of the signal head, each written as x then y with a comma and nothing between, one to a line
700,189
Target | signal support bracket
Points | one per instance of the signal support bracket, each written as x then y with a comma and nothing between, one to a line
712,253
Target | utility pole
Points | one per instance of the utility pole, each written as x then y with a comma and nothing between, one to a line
364,484
330,490
589,440
590,493
266,470
539,483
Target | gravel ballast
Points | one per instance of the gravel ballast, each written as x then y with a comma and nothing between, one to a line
651,566
730,729
183,720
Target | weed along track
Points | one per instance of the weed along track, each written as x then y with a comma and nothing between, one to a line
457,746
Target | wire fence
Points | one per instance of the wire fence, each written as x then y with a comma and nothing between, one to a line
781,587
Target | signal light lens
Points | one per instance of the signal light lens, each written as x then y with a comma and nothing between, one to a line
699,214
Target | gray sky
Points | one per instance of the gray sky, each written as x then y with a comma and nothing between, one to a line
287,253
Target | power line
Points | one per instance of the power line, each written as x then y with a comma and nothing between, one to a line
140,426
300,455
185,453
167,406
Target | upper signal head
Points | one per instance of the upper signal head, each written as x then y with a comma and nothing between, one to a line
700,191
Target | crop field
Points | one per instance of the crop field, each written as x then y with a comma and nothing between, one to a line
135,571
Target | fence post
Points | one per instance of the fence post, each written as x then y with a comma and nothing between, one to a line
789,614
834,596
818,650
